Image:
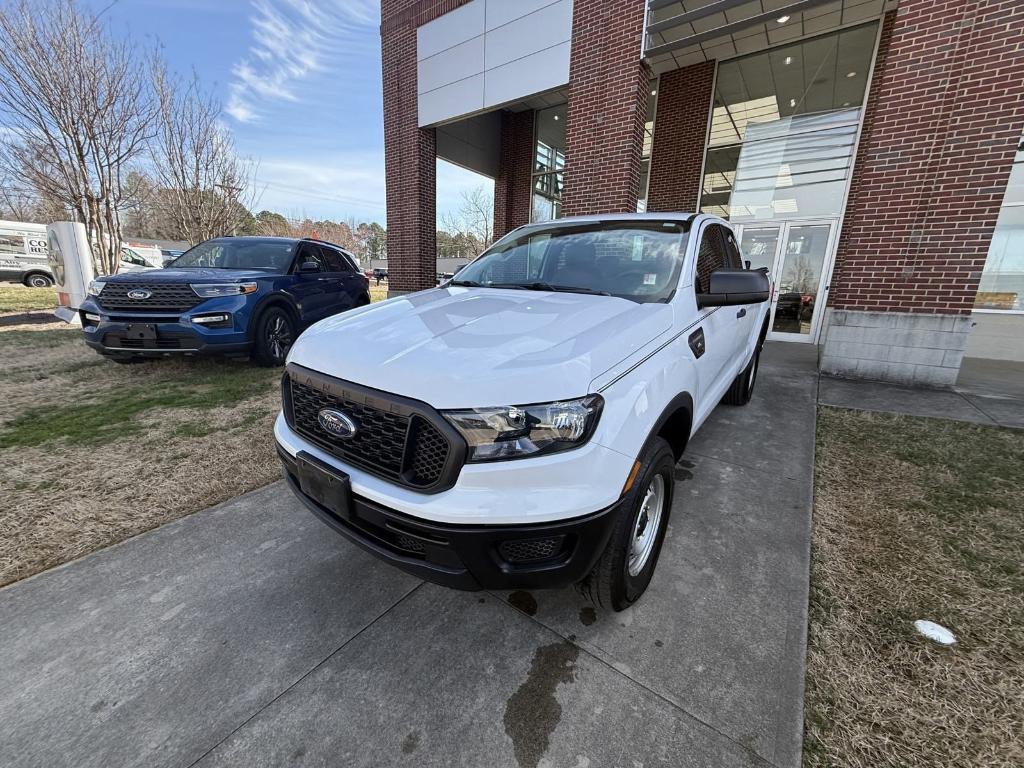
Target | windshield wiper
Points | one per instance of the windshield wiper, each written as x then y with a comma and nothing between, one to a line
539,286
466,284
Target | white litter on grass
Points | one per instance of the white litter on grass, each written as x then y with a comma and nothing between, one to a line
935,632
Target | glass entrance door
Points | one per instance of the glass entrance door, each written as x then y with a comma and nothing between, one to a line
797,255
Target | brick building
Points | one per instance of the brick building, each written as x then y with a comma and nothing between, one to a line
868,152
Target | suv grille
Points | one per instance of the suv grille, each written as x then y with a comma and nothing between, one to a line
163,296
396,440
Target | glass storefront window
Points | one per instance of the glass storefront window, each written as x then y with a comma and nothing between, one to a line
1002,280
548,164
648,146
784,126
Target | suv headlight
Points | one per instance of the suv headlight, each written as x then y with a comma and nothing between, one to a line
212,290
95,286
519,431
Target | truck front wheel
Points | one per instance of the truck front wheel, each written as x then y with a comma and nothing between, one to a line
625,569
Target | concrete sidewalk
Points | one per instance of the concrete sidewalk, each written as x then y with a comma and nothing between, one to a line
961,404
251,635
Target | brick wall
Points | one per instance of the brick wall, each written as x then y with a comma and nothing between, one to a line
607,107
512,188
410,152
680,132
942,123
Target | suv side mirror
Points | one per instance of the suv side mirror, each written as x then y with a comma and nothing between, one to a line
309,266
730,287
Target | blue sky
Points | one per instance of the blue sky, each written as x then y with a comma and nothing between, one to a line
301,85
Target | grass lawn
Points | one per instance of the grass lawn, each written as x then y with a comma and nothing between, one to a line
94,452
18,298
916,519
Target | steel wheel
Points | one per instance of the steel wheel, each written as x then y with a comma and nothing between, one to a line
648,522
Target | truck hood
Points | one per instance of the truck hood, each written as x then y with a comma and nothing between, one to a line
187,276
475,347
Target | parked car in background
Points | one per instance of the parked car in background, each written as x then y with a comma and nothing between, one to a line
233,295
23,254
519,427
380,274
169,255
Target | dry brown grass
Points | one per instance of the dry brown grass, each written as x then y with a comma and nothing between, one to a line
916,519
64,494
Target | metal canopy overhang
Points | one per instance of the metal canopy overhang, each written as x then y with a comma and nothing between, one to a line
669,34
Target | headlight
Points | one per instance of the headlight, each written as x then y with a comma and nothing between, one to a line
518,431
95,287
211,290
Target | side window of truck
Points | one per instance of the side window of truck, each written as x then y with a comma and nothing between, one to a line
710,257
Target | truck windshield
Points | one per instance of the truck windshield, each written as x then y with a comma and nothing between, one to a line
249,253
636,260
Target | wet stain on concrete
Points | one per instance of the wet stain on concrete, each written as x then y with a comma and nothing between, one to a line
658,644
685,463
410,742
587,615
524,601
299,753
533,712
97,706
481,599
682,474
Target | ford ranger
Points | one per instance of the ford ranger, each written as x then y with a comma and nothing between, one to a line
518,426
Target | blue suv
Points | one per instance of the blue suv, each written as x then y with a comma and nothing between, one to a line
231,295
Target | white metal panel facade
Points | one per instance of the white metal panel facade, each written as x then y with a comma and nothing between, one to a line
488,53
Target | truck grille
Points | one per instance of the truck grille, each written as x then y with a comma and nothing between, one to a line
163,296
396,438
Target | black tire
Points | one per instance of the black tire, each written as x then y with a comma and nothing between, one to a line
613,584
742,387
275,334
38,280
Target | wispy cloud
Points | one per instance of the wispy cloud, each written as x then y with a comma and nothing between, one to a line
292,41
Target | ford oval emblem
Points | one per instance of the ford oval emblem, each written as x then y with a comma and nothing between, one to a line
336,423
139,293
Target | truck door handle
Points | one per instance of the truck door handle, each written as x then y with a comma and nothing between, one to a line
741,313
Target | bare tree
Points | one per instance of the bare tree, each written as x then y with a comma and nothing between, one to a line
475,217
77,112
203,184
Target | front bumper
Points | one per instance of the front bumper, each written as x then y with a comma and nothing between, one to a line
174,335
551,554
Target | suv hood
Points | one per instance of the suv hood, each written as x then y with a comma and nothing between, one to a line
476,347
186,276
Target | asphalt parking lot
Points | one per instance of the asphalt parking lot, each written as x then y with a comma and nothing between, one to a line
251,635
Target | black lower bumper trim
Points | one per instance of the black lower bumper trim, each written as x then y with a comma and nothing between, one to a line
469,556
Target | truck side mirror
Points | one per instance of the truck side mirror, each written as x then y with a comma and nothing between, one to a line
731,287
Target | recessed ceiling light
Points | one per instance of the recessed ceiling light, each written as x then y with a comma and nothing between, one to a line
792,102
654,92
782,19
851,74
556,117
788,60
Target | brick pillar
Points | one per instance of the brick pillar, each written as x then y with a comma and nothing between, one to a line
607,107
680,133
512,188
941,128
410,152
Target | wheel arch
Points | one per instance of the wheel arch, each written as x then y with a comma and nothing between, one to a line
674,424
274,300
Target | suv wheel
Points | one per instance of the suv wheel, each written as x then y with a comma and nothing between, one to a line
742,387
625,569
275,334
38,281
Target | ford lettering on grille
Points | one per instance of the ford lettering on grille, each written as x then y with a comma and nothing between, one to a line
336,423
139,294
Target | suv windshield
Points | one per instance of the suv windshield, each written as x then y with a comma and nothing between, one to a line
637,260
242,253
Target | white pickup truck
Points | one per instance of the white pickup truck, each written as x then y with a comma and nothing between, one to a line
518,426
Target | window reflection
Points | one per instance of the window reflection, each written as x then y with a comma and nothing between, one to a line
1002,281
548,164
784,127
